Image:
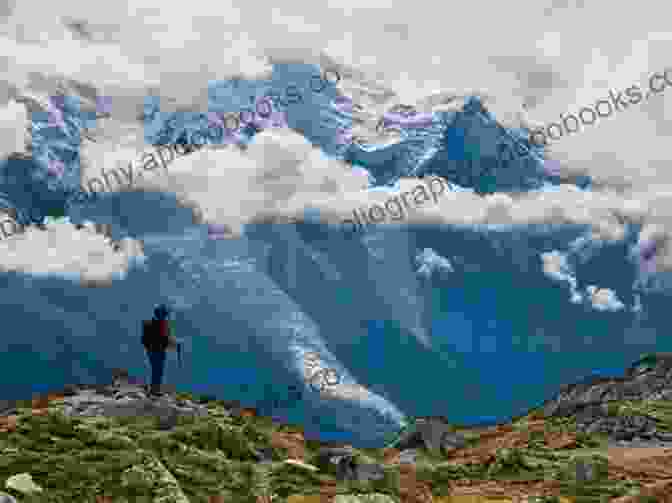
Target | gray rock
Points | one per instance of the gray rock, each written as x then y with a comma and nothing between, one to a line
452,441
120,377
264,455
129,401
596,427
622,435
425,432
327,455
638,423
410,440
103,389
369,471
432,432
649,378
664,436
665,394
585,471
347,469
7,407
335,451
408,456
591,413
168,421
6,498
70,390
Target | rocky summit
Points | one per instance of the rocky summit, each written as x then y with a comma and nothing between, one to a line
596,441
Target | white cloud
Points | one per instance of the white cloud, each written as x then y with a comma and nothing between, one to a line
556,266
604,299
281,173
386,54
13,126
63,250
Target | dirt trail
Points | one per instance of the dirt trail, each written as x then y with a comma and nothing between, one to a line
643,463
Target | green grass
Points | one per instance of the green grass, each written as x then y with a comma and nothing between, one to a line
75,459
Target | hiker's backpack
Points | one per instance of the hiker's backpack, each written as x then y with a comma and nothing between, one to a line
155,335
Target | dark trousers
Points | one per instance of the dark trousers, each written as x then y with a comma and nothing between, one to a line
157,360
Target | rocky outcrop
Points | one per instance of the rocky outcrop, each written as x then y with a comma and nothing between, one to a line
597,419
225,452
594,401
649,378
433,434
129,400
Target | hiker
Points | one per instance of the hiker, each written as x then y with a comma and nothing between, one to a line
156,338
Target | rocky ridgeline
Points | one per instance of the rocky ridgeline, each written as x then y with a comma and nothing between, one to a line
626,408
114,443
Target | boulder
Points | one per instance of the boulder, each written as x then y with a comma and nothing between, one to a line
587,469
451,441
7,407
432,431
327,455
584,471
347,469
369,471
428,433
120,376
408,456
6,498
411,439
263,455
622,434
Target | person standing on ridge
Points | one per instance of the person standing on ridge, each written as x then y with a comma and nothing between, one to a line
156,338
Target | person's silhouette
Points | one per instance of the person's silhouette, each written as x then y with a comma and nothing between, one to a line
157,339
